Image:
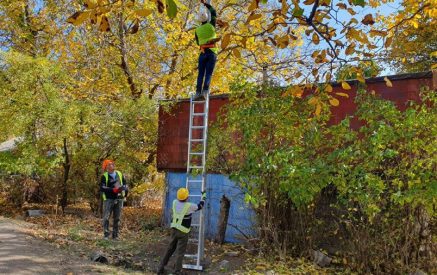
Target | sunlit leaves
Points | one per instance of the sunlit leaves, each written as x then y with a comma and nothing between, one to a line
253,5
316,101
361,3
236,53
345,85
415,24
388,41
90,4
79,17
388,82
315,39
225,41
295,90
282,41
104,24
135,27
253,16
143,12
342,94
368,20
171,8
160,6
334,102
298,12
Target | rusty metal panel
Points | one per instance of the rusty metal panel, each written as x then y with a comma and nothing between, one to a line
173,132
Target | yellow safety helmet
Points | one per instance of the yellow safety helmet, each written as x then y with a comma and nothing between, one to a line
182,194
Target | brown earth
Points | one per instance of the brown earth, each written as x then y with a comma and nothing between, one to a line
21,253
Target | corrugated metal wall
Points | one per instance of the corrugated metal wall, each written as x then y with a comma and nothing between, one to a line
242,217
173,123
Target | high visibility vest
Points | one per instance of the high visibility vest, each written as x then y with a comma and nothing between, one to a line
205,33
178,217
120,176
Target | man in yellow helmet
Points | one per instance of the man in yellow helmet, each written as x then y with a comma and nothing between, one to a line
180,227
206,38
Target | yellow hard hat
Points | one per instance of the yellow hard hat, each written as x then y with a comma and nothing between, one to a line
182,194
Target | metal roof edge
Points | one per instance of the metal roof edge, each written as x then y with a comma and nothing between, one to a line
427,74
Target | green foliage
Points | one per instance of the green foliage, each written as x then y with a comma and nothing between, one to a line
394,160
277,141
414,47
366,69
38,103
33,108
279,145
75,233
290,162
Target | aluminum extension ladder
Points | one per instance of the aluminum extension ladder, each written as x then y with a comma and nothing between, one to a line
197,138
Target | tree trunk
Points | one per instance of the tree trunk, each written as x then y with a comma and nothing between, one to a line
98,205
124,62
225,205
67,165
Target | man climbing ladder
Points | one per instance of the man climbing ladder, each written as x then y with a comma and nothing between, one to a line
182,211
206,38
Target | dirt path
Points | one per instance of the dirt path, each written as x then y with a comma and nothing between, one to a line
23,254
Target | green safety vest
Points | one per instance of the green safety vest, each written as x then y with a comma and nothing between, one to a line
178,217
120,176
205,33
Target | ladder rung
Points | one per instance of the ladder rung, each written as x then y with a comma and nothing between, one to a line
197,127
197,140
193,240
195,196
193,267
195,180
198,114
196,167
196,225
191,255
198,101
196,153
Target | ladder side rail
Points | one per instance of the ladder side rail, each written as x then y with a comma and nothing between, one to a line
200,250
189,142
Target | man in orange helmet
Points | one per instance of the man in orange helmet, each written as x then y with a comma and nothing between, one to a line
114,190
180,228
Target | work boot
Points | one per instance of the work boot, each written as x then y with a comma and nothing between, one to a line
161,271
205,93
198,96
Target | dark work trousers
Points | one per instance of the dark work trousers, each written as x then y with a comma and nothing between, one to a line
114,207
206,67
178,242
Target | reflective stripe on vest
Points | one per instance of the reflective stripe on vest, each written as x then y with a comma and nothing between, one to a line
205,33
178,217
106,175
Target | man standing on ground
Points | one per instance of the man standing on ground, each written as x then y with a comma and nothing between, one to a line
206,38
114,189
180,228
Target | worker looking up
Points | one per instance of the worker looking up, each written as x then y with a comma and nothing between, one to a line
180,228
114,189
206,38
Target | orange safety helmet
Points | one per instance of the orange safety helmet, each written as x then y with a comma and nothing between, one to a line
106,162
